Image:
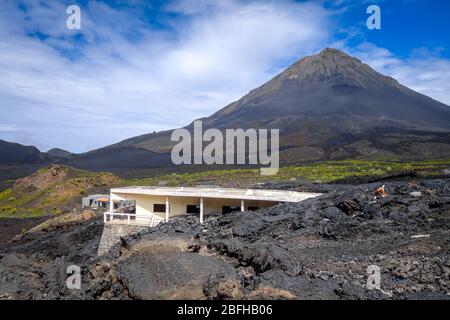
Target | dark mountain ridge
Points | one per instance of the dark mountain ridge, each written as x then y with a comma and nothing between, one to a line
58,153
327,106
15,153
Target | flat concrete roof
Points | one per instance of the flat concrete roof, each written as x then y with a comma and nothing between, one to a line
220,193
93,196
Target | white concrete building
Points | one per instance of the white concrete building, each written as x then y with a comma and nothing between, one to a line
155,204
95,201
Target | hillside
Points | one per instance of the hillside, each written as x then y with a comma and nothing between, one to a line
57,153
17,154
320,172
52,190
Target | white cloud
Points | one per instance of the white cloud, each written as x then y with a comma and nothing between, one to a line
423,71
128,78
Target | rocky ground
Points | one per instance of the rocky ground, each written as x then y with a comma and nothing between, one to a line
9,227
318,249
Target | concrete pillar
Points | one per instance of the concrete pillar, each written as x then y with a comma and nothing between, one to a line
111,202
167,209
201,209
242,205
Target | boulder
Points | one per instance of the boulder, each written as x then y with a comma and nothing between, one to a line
163,271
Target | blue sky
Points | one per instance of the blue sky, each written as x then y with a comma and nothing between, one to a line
407,25
142,66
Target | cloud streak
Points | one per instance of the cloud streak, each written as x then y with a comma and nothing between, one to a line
423,70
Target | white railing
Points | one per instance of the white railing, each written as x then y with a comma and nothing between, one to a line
131,218
109,217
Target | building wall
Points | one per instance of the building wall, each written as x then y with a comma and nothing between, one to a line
178,205
214,206
144,204
85,203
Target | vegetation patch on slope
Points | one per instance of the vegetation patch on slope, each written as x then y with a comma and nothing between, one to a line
52,190
329,171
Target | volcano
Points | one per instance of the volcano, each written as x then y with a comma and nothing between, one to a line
327,106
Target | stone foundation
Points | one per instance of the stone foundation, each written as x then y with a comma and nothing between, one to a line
111,236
